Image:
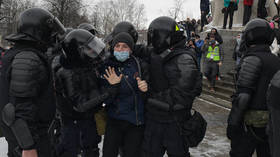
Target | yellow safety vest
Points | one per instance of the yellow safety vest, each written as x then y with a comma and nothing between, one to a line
213,54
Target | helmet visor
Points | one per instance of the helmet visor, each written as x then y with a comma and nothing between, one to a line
58,27
94,48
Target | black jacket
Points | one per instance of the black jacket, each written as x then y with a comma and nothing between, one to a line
273,99
28,84
128,104
254,74
217,37
174,83
78,92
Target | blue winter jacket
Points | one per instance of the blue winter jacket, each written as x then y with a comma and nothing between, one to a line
128,105
226,2
199,45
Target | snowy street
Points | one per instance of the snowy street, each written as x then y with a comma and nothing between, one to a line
215,144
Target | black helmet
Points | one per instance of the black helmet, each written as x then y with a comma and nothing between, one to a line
37,25
61,37
88,27
81,46
163,33
258,31
125,27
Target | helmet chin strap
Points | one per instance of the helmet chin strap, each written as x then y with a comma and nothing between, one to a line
165,53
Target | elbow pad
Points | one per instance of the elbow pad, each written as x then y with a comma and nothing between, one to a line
239,106
19,127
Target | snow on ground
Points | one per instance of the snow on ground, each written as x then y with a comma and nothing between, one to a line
215,143
3,147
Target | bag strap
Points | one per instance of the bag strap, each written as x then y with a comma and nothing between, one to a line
138,66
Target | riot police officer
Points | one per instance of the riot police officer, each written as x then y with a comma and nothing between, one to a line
27,99
78,93
249,116
274,111
88,27
174,82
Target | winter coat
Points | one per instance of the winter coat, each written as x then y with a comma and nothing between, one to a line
199,45
174,80
218,37
248,2
128,104
226,2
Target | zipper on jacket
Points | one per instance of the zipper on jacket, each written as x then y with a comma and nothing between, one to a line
135,98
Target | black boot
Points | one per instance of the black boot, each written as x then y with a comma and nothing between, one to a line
91,153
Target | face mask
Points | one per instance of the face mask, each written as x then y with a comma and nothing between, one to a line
121,56
212,42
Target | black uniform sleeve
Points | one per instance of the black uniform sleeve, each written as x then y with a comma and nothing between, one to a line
80,102
181,93
246,84
249,74
26,71
273,97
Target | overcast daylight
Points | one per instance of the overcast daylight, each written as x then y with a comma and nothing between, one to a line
117,78
156,8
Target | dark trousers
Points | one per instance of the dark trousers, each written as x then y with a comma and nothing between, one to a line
244,144
124,135
78,135
198,62
229,11
262,13
247,14
163,137
203,19
211,71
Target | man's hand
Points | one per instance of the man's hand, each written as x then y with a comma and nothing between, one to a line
112,77
29,153
142,85
220,63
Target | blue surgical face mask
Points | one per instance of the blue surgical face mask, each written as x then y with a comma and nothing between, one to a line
122,55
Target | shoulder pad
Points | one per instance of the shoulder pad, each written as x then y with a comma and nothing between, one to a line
24,74
251,61
249,72
27,55
185,59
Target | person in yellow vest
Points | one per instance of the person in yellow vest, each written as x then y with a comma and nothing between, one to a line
214,57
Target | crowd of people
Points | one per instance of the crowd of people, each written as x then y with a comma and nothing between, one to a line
230,6
61,88
56,80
